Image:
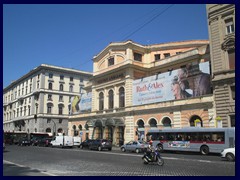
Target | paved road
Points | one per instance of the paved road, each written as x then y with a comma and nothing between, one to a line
43,161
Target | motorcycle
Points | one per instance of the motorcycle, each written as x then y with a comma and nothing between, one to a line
155,159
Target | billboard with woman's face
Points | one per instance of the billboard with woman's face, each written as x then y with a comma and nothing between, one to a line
190,81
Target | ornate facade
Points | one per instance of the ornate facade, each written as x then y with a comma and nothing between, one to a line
221,25
40,100
116,114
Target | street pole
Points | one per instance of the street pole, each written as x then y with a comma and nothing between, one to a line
54,127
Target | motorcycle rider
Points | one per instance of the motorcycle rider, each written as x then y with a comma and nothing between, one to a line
150,150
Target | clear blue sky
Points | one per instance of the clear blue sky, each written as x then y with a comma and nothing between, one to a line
70,35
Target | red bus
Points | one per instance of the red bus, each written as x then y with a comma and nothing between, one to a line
14,137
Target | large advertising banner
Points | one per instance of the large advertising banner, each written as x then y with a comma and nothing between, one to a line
190,81
81,103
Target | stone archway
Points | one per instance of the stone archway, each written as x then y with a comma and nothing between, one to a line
193,119
166,121
153,123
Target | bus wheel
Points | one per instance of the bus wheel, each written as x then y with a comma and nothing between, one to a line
160,147
204,150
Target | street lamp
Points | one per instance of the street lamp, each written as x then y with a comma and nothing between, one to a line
54,127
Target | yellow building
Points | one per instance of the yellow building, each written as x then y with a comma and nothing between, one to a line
136,88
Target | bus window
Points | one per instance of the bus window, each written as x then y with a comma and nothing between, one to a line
169,136
218,137
161,136
194,136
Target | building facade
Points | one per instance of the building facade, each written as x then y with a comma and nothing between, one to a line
40,100
136,88
221,25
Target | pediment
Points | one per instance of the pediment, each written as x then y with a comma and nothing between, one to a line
228,44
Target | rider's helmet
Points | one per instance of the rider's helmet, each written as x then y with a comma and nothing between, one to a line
150,142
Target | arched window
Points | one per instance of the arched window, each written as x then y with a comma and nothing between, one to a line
140,123
110,99
121,97
166,122
80,127
86,127
50,86
61,87
60,130
153,123
75,132
48,130
101,101
193,121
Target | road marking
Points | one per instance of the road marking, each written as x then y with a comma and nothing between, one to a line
19,165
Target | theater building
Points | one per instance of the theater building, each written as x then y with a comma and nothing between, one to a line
137,87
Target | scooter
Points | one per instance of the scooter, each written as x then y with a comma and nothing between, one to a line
155,159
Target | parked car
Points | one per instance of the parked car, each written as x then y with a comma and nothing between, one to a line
229,154
85,144
134,146
101,144
34,141
24,142
44,142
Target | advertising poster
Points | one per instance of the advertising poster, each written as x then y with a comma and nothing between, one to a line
81,103
190,81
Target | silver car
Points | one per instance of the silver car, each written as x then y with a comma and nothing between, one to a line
134,146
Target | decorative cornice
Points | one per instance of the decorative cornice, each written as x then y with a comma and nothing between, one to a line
229,43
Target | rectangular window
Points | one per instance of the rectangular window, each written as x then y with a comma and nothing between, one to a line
60,121
229,26
110,61
71,79
137,57
166,55
233,92
178,52
232,119
61,77
49,109
50,75
231,59
50,97
60,110
60,98
157,57
48,120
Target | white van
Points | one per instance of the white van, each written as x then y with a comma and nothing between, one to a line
77,141
62,141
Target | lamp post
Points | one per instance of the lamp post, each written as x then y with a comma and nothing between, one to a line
54,127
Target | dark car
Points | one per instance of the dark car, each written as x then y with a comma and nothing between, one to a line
24,142
101,144
35,140
85,144
44,142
